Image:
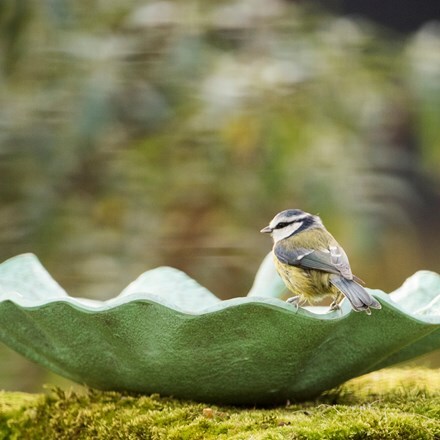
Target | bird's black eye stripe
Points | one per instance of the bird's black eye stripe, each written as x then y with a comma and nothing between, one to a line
283,224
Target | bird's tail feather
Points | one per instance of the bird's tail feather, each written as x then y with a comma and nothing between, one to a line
359,298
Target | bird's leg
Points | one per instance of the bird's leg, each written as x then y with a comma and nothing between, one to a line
335,304
295,300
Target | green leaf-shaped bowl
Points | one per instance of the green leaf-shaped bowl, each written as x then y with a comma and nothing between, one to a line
167,334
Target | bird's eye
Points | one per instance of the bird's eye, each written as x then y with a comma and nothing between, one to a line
281,225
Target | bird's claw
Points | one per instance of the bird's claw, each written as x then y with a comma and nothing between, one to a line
294,300
334,306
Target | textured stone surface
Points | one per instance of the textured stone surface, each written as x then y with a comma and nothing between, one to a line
166,334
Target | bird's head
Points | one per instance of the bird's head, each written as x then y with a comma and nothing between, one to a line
289,222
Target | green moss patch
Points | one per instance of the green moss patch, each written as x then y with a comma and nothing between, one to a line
389,404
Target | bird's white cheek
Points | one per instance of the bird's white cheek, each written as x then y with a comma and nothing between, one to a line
281,234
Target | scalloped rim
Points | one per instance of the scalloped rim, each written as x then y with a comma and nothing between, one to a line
94,306
307,312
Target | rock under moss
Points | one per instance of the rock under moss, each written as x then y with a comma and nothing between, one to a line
389,404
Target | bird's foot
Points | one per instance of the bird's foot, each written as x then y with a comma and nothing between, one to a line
294,300
335,306
336,303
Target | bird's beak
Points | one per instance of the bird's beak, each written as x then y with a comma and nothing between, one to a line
266,230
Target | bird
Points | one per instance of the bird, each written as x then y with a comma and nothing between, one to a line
312,264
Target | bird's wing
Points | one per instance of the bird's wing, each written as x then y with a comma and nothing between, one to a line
331,260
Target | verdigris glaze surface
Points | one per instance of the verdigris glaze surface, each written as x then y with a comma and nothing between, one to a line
167,334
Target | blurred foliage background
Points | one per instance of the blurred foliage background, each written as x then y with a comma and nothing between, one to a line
135,134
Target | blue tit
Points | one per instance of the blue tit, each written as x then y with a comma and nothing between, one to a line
312,263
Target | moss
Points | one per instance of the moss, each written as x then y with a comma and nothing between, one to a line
390,404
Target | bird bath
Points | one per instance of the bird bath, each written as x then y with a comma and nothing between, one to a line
167,334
